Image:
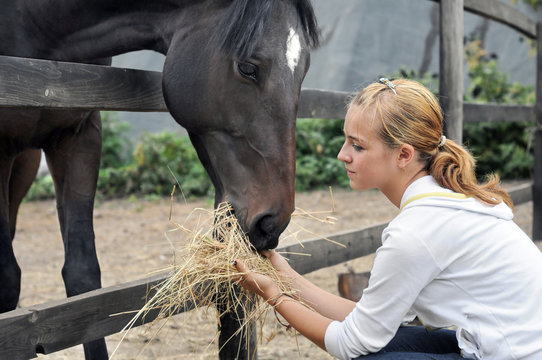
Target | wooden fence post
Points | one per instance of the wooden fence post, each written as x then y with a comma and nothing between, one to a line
537,186
451,67
234,342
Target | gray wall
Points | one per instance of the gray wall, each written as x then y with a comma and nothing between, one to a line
370,38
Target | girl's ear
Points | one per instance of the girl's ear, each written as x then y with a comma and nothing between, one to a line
405,155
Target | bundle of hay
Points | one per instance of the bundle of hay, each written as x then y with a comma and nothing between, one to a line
202,273
202,277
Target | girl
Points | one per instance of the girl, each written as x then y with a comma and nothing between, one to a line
453,256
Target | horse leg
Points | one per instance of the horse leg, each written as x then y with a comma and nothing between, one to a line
23,173
74,162
10,273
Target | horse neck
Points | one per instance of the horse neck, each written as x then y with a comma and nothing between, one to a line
83,30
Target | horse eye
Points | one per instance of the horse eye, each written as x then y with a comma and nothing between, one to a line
248,70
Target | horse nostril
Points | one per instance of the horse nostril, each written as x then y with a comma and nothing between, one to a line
266,224
264,232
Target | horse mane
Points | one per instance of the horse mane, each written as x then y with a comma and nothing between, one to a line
243,25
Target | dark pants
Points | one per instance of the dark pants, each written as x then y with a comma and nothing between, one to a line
417,343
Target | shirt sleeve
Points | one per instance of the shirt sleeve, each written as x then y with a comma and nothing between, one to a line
403,267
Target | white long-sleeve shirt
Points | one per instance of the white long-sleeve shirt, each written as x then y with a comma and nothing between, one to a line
453,261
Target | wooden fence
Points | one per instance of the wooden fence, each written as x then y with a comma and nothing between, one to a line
60,324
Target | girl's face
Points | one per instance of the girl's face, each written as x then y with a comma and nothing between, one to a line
369,162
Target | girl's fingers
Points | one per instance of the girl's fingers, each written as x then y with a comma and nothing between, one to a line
267,253
239,265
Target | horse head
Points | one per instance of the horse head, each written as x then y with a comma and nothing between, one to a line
232,80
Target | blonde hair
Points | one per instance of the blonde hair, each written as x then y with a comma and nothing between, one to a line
410,114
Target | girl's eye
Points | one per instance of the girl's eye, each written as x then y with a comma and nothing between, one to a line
358,148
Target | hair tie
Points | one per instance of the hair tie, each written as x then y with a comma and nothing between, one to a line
388,83
442,141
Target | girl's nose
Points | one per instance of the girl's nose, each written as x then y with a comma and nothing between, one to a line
342,156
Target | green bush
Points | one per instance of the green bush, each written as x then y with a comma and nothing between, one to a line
504,148
116,145
165,159
318,142
43,188
159,162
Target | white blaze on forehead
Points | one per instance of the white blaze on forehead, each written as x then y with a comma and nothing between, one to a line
293,50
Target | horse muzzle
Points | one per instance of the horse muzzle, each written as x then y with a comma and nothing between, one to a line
265,229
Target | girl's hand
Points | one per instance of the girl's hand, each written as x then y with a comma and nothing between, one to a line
280,263
256,283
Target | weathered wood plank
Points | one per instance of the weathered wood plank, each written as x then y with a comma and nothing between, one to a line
332,105
451,67
522,193
474,112
537,188
324,253
57,325
502,13
52,84
314,103
23,83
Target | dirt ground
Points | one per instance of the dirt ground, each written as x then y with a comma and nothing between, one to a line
131,244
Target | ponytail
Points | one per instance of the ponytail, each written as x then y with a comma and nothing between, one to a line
453,167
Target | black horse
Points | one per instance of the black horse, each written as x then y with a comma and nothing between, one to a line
232,78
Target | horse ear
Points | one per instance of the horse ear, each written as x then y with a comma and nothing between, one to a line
308,19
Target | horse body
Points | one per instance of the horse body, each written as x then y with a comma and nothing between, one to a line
231,77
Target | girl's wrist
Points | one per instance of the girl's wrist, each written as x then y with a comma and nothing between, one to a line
277,300
270,294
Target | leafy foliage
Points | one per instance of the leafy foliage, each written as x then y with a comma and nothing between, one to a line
487,83
504,148
318,142
116,145
159,162
42,189
165,159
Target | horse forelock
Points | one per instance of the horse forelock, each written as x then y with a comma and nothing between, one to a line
243,25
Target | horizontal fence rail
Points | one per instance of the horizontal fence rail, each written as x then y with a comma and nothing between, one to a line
42,84
58,325
54,84
502,13
474,112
